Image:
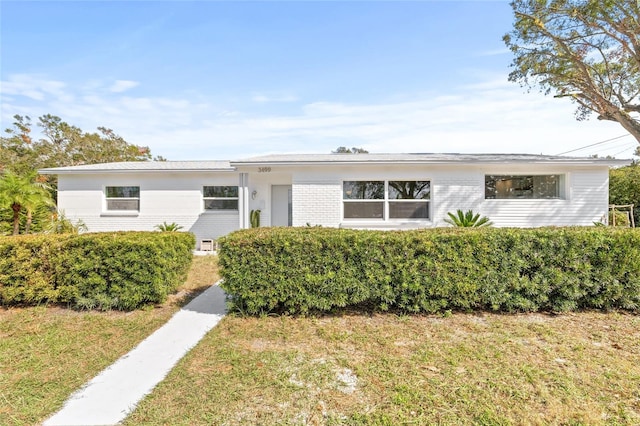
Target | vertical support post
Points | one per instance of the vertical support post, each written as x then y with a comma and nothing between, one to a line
243,201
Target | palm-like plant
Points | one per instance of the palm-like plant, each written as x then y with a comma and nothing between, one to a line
168,227
60,224
467,220
23,193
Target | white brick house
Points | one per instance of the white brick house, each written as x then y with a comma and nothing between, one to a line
387,191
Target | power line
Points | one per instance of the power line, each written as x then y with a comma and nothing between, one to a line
627,145
594,144
631,146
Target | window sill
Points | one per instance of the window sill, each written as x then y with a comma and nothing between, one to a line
526,199
390,224
234,212
120,214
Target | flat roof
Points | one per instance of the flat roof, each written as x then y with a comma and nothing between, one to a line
420,158
144,166
328,159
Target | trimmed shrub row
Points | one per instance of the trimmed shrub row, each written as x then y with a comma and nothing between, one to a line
122,270
300,270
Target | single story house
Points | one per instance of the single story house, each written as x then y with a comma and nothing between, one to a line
385,191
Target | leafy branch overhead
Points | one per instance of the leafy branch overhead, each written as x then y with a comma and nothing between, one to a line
587,50
62,144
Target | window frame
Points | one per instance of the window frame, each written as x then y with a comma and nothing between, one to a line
220,210
107,198
387,202
561,183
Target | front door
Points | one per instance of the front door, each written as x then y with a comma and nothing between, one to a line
281,205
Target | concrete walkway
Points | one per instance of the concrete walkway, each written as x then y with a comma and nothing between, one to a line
113,394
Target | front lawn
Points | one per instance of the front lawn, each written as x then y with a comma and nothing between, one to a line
46,353
581,368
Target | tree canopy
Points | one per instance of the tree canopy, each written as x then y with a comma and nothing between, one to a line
25,198
587,50
62,145
345,150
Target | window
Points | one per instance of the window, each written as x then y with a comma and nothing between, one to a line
123,198
220,198
386,199
523,187
409,199
363,199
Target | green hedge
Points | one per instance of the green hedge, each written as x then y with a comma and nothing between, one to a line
122,270
298,270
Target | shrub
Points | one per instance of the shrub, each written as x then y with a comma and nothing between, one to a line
121,270
300,270
624,187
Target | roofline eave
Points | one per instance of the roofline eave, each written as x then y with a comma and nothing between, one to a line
54,171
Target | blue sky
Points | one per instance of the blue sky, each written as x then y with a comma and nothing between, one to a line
219,80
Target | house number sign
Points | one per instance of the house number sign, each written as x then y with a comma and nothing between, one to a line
264,169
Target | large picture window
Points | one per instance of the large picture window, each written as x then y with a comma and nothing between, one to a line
220,198
385,200
503,187
123,198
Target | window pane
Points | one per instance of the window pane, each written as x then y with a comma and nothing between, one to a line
528,187
408,210
221,204
123,191
409,190
363,190
123,204
546,186
367,210
221,191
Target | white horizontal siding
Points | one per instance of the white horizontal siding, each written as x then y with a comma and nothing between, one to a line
586,202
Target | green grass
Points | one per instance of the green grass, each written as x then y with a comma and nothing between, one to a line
386,370
46,353
346,369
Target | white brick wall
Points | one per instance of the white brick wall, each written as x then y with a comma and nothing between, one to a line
204,226
164,197
317,203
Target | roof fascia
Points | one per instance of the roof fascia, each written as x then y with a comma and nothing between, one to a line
118,171
608,163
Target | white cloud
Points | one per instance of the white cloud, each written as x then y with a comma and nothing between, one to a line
122,86
264,98
493,52
32,87
490,116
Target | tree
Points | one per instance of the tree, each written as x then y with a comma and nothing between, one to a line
62,145
345,150
16,149
23,193
587,50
